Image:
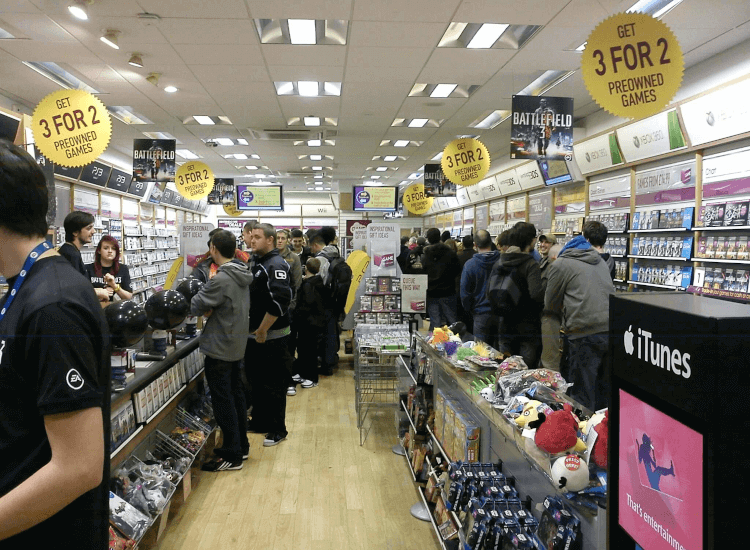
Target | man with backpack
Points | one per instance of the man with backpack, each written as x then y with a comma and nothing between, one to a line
516,293
337,278
442,267
474,279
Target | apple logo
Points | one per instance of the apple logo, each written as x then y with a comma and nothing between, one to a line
629,347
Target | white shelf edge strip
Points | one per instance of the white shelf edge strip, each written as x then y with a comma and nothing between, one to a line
124,443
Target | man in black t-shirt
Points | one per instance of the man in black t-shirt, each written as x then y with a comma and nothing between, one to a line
79,230
54,379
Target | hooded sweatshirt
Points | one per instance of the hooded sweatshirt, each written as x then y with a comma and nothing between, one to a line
610,261
295,268
326,256
474,279
442,267
530,304
578,289
224,336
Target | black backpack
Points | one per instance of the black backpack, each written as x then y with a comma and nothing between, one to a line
505,289
338,281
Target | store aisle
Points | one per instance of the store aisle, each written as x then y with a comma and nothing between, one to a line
317,490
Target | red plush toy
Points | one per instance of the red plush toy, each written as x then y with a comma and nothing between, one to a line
557,432
601,446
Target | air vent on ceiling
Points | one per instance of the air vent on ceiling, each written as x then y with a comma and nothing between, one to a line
291,134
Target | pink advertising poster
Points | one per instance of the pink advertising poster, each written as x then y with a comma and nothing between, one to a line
661,478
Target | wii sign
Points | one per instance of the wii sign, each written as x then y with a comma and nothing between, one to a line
659,355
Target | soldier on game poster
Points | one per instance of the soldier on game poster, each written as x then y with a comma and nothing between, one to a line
541,128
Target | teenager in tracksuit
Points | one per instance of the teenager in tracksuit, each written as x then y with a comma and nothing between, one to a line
223,341
268,364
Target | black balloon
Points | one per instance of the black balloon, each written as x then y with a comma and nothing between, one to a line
166,309
127,323
189,287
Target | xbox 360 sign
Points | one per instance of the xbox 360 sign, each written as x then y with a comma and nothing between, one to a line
363,197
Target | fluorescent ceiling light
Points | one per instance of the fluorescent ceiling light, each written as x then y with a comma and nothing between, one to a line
170,89
494,119
251,167
381,169
582,47
302,31
205,120
390,158
438,156
443,90
415,176
375,177
127,115
59,76
317,183
332,88
307,88
224,141
666,9
260,175
5,34
312,121
186,154
78,9
547,81
242,141
405,182
110,39
316,157
320,176
313,143
158,135
655,8
136,60
418,122
317,168
284,88
487,35
401,143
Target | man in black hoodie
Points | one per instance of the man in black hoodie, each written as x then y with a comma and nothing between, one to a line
596,234
442,267
520,326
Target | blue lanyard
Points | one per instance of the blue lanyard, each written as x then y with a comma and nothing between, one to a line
33,257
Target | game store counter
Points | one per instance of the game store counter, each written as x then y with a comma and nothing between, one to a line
499,441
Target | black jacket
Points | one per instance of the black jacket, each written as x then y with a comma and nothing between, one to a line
270,291
310,312
442,267
532,297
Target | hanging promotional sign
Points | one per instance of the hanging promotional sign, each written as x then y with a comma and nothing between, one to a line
231,210
195,180
651,137
597,154
435,182
154,160
541,127
223,192
71,127
193,244
414,294
415,199
718,115
632,65
49,176
384,247
465,161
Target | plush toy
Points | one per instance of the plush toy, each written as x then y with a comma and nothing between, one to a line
570,473
601,445
439,336
557,432
530,413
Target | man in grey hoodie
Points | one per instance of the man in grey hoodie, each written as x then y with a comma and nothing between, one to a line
226,298
578,289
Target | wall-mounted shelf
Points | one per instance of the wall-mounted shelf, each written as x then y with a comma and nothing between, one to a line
638,283
719,261
665,258
672,230
723,228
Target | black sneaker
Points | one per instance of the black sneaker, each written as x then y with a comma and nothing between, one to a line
221,465
222,453
273,439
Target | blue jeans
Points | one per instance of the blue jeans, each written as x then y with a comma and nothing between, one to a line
588,370
228,401
442,311
487,328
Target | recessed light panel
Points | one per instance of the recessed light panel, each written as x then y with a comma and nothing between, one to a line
488,121
206,120
308,88
302,31
443,90
418,122
487,35
545,82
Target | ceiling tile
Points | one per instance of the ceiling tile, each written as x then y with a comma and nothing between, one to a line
438,11
29,50
428,107
530,12
580,13
462,66
219,54
36,26
356,74
317,106
300,56
287,73
230,73
198,9
387,57
309,9
209,31
395,35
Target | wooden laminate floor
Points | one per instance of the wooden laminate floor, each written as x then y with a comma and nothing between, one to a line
317,490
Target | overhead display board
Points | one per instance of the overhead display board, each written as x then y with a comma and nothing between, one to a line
260,197
374,199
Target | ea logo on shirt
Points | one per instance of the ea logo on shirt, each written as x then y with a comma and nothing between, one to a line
74,379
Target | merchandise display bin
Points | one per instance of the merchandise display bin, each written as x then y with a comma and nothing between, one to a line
497,442
376,348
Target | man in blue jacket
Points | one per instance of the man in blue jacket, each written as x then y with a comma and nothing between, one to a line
474,280
268,364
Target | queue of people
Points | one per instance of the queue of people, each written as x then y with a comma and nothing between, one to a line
520,293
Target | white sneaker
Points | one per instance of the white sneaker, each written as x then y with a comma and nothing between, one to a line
297,378
291,390
308,384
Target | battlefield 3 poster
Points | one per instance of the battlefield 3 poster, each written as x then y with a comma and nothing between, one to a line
541,128
435,182
154,160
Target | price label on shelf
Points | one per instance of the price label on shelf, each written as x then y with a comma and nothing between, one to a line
194,180
632,65
465,161
71,127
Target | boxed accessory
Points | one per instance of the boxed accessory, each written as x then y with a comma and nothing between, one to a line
735,213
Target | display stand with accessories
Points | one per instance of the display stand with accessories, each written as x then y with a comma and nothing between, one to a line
381,302
149,253
473,435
